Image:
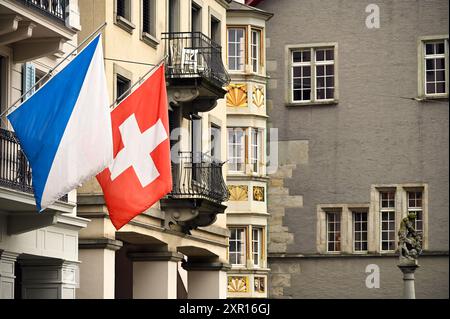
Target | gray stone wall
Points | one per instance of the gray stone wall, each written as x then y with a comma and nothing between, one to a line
376,134
344,278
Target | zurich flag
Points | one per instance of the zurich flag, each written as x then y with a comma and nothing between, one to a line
65,127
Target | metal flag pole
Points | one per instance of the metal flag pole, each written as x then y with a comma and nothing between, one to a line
53,69
127,92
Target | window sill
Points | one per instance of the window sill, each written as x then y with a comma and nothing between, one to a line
294,104
149,39
125,24
425,98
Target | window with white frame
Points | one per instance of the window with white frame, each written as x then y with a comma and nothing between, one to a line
236,49
333,231
236,149
435,55
236,248
256,245
359,231
255,50
255,151
387,220
312,74
415,206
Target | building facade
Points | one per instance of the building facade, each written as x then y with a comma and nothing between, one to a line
38,252
359,94
178,248
246,167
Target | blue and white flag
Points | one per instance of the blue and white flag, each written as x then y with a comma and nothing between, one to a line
65,127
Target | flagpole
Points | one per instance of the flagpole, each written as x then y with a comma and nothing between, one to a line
53,69
139,81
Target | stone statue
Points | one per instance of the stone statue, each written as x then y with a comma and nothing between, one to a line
410,240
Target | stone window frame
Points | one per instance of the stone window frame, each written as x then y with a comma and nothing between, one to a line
119,71
288,74
421,77
124,22
401,209
347,234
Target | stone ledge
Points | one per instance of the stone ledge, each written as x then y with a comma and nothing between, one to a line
156,256
371,255
100,243
206,266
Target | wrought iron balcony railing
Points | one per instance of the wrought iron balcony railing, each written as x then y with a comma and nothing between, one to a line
198,176
194,55
52,8
15,172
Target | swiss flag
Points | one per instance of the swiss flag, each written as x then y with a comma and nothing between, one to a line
140,173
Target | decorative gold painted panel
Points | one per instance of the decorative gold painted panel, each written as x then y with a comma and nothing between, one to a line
259,284
258,96
238,192
237,95
238,284
258,193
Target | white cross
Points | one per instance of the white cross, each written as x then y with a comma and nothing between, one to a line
137,149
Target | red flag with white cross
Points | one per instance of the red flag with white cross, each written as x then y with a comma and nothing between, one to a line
140,174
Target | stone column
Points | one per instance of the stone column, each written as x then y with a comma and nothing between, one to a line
48,278
97,268
408,268
155,274
207,280
7,274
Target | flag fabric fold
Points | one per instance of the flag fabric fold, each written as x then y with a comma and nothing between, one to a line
65,127
141,172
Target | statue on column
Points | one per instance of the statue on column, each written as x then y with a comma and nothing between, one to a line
410,240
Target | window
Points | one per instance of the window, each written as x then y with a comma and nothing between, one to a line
255,50
215,29
236,150
174,15
196,18
237,246
196,147
148,17
387,219
436,67
255,151
215,142
312,74
333,231
236,49
256,246
124,9
123,85
359,231
415,206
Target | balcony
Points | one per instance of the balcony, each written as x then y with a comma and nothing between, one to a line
56,9
194,70
37,28
15,172
198,191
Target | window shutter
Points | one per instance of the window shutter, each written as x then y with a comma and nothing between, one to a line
28,79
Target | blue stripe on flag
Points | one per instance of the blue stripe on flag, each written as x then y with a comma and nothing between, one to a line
41,120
